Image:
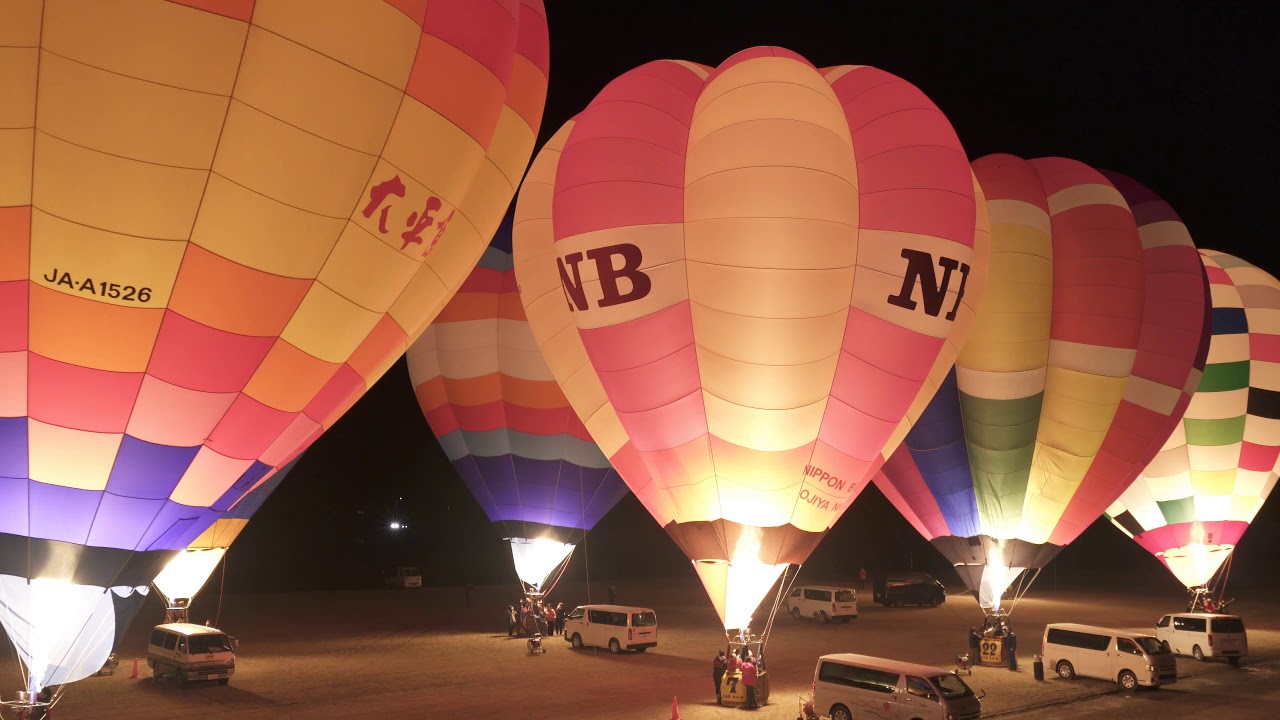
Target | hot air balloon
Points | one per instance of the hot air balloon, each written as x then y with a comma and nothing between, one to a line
742,278
188,571
506,426
1192,503
1077,368
219,223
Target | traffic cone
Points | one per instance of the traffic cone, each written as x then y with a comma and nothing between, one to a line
675,709
134,675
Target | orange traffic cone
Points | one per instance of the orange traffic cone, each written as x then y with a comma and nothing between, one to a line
675,709
134,676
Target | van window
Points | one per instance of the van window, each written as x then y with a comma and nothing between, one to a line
921,688
859,677
795,593
643,619
845,596
201,644
182,645
577,614
1125,645
170,641
1073,638
1151,645
157,637
606,617
951,686
1189,623
1226,625
823,595
1164,622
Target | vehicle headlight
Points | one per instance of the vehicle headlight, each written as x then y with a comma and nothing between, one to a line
1151,668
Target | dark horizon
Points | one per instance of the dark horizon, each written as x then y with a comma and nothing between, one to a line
1176,95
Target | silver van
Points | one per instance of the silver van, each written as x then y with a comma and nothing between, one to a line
1128,658
848,686
1204,635
824,603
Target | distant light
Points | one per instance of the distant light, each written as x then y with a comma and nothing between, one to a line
397,526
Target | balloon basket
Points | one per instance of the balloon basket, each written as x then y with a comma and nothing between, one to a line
22,705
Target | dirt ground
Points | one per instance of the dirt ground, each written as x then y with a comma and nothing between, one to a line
423,654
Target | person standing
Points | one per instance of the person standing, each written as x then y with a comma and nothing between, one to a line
1011,649
613,594
718,668
559,618
862,579
511,620
550,614
749,680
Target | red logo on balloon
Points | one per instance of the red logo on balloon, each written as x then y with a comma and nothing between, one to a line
417,220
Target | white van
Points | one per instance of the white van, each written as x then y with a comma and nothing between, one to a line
191,652
847,686
617,627
1204,635
823,603
403,577
1130,659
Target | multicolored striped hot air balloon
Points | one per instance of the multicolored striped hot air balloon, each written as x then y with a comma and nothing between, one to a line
1080,362
504,423
1194,501
219,223
743,277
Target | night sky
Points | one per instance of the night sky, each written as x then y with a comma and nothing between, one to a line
1179,95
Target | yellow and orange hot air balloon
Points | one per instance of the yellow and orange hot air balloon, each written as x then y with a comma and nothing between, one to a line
219,223
742,277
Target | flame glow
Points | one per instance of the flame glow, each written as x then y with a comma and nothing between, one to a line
1195,564
61,631
186,573
996,578
738,585
536,559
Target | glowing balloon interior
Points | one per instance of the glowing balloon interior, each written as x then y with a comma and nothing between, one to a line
1194,501
219,224
1080,360
538,558
742,278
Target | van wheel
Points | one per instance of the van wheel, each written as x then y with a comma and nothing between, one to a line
1234,660
576,641
224,681
1197,653
1065,671
897,603
615,647
933,601
822,617
795,613
840,712
1128,680
641,649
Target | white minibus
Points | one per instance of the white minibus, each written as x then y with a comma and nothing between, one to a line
848,686
617,627
1204,635
1128,658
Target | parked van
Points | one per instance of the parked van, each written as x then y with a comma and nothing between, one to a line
617,627
403,577
191,652
909,589
848,686
1204,635
1130,659
823,603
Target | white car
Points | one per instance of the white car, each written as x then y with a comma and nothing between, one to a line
1204,635
824,603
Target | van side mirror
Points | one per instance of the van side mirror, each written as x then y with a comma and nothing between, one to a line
983,694
235,644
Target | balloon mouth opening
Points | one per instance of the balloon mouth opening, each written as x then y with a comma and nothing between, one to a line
537,559
1195,564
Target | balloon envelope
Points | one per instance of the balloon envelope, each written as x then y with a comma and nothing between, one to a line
742,278
1078,365
1192,503
220,223
504,423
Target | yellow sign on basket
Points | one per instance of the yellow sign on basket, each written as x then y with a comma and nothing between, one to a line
991,651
